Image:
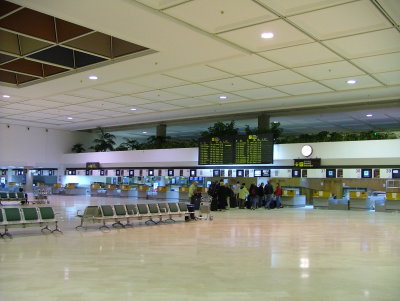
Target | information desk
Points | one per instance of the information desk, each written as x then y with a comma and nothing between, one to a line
360,201
321,199
392,201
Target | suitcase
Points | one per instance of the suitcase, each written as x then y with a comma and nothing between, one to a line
247,204
233,202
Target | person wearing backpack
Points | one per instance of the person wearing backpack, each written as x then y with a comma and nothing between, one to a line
268,192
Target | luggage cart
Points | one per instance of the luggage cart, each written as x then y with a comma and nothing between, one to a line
205,208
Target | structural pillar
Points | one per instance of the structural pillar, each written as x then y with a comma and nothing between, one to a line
161,130
263,122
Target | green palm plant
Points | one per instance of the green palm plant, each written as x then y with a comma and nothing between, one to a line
104,142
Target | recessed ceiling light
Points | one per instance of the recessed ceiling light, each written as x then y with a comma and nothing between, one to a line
223,97
70,118
351,81
93,77
132,109
369,115
6,96
267,35
144,132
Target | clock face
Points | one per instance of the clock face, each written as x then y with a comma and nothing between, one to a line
306,150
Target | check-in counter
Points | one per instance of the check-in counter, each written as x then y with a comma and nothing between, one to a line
290,199
73,189
338,204
128,191
392,201
184,193
112,190
380,203
166,193
321,199
359,201
57,188
142,191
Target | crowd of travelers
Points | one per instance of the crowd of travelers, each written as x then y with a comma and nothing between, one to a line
223,196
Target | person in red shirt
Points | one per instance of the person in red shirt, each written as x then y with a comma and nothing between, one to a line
278,194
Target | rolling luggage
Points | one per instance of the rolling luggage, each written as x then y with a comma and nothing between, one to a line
233,202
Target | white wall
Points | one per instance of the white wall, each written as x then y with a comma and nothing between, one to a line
36,147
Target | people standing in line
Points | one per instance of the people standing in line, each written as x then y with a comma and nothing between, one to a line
212,192
236,190
260,195
278,194
221,195
229,196
268,192
253,196
242,195
192,192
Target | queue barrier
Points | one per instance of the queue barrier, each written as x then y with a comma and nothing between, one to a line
153,213
27,216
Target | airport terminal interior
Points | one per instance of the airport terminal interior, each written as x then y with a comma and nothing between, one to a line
101,224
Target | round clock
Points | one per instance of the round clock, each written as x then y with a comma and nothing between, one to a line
306,150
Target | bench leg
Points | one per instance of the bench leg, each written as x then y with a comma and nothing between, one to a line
104,226
150,221
6,233
46,228
56,229
118,223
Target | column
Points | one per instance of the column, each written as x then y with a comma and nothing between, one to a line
263,122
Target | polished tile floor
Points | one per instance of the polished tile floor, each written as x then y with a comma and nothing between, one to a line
284,254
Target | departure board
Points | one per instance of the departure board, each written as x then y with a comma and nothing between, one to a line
244,149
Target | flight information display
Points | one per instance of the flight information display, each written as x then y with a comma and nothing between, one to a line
244,149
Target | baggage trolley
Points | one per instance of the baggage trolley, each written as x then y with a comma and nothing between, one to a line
205,209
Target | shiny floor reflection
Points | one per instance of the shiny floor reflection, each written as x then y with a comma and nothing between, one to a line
285,254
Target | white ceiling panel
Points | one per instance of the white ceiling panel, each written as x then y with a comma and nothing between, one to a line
161,106
363,81
160,4
158,81
276,78
215,98
158,95
111,113
12,98
220,15
123,88
104,105
347,19
289,7
92,93
367,44
301,55
21,106
246,65
38,114
250,37
9,111
42,103
128,100
63,112
329,70
198,73
380,63
389,78
84,116
304,88
262,93
70,99
76,108
392,7
189,102
232,84
192,90
136,112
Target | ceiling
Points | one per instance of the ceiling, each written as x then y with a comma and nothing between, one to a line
203,49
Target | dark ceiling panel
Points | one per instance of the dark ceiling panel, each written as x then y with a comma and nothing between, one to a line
67,30
121,47
51,70
5,58
7,7
29,45
9,42
24,78
32,23
24,66
84,59
56,55
8,77
97,43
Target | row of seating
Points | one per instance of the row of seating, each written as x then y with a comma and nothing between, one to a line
27,216
13,196
162,212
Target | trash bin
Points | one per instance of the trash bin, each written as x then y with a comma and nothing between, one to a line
191,210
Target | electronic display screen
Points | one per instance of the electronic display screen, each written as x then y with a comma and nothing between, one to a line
118,172
266,173
243,149
396,173
366,173
216,173
331,173
239,173
151,172
170,172
257,172
193,172
296,173
102,172
131,172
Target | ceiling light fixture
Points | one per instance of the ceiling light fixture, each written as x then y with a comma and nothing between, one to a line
6,96
93,77
70,118
369,115
132,109
223,97
351,81
267,35
144,132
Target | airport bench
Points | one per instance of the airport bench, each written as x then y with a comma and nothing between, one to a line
13,197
